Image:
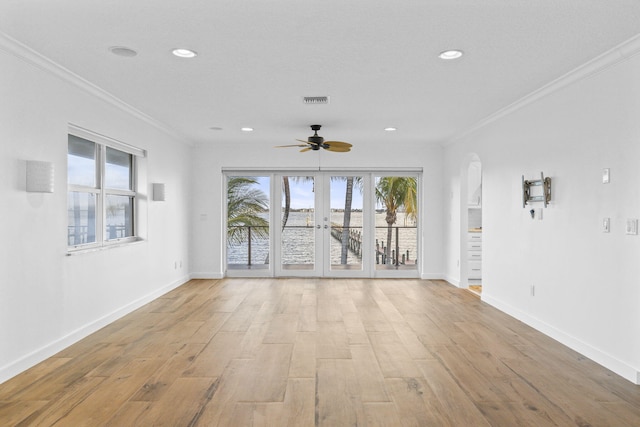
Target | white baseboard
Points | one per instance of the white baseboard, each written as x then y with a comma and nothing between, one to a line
621,368
207,275
37,356
454,281
432,276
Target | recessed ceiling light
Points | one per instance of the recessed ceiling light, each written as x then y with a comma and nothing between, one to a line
390,129
215,128
123,51
184,53
450,54
246,129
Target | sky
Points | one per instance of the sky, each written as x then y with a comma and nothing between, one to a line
302,195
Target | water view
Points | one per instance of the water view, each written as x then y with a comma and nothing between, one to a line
298,244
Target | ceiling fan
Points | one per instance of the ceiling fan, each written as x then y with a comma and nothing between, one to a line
316,142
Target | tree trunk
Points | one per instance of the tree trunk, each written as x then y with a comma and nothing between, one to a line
391,219
346,222
287,201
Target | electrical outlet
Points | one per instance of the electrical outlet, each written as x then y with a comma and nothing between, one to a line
606,177
632,226
606,223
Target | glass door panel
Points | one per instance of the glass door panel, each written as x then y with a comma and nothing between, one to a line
298,240
346,211
248,223
396,232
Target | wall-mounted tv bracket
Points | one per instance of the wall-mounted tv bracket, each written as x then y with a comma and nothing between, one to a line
546,190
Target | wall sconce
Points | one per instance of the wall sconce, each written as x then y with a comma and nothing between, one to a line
158,192
39,177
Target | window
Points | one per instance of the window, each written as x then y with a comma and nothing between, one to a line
101,191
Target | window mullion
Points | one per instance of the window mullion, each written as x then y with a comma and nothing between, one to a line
101,194
117,192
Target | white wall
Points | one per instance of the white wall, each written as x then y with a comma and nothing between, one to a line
587,291
47,299
208,162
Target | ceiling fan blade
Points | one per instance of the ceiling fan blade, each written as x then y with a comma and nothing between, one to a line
338,144
291,145
338,149
302,140
305,149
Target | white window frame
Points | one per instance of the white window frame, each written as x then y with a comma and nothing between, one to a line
101,193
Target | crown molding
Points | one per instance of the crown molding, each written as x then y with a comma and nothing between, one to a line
621,53
30,56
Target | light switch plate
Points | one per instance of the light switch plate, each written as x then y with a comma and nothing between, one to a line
606,175
606,222
632,226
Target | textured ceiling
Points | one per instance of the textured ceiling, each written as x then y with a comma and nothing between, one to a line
377,60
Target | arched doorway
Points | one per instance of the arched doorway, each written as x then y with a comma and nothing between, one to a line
471,224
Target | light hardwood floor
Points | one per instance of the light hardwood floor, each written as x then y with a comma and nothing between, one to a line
318,352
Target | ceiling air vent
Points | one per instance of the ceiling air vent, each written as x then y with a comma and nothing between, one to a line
316,99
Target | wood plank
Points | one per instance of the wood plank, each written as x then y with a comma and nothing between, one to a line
100,405
298,408
374,319
215,357
332,341
264,378
368,374
337,394
12,413
411,341
58,408
299,403
356,332
282,329
328,308
303,359
55,383
14,386
415,403
209,328
395,361
381,414
131,413
387,308
453,399
159,383
222,408
307,319
191,395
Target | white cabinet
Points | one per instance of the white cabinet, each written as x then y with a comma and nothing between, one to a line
474,255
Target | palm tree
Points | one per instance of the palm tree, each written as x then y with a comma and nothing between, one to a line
396,192
286,190
287,200
245,204
346,221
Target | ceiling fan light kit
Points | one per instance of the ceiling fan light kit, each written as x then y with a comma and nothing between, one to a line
315,142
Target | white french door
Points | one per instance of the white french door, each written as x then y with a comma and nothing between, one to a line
325,224
323,219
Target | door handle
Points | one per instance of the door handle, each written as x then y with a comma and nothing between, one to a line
318,226
325,226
